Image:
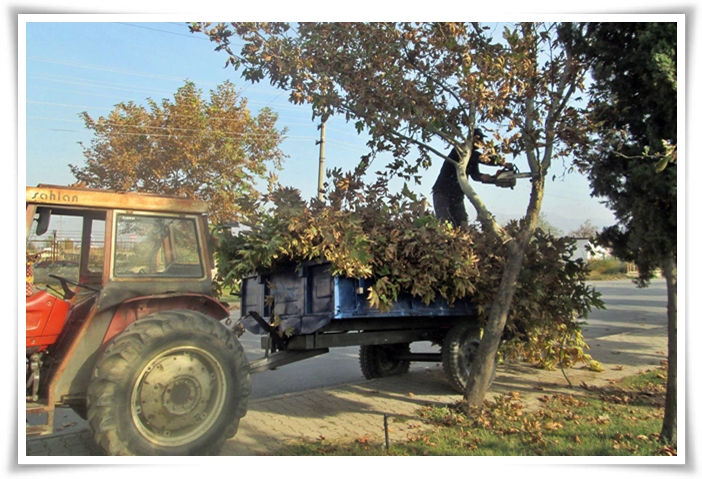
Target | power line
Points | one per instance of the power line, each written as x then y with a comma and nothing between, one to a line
277,123
71,91
94,83
282,106
68,105
183,116
229,135
162,31
344,132
101,68
53,119
349,145
88,66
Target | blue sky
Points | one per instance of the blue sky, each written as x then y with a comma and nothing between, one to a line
74,66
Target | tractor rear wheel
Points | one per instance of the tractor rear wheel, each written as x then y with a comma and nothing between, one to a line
380,362
174,383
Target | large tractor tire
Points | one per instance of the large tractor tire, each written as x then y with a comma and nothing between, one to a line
458,353
174,383
379,361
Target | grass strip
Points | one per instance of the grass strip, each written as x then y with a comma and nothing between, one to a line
620,420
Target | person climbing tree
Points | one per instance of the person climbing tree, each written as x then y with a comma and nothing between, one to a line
446,192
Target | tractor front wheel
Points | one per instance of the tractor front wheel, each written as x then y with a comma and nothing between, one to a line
174,383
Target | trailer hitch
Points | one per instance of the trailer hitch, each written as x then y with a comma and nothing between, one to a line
271,330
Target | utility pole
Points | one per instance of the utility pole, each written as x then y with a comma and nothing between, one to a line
320,177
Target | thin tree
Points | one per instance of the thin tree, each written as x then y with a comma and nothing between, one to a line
632,159
585,230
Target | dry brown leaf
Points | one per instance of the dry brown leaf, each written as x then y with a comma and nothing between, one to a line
602,419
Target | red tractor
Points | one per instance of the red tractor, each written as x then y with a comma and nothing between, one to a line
122,326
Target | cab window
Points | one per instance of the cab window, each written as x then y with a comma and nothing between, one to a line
156,246
60,239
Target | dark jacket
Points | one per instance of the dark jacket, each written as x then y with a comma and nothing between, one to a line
447,181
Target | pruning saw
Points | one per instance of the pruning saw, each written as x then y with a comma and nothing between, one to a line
507,176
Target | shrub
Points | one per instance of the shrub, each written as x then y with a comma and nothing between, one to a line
606,267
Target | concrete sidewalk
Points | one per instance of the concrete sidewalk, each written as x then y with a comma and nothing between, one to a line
356,411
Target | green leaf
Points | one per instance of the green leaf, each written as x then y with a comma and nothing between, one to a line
662,164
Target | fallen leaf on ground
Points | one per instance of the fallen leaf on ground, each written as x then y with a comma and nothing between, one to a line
602,419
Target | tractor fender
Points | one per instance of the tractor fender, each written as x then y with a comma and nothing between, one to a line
138,308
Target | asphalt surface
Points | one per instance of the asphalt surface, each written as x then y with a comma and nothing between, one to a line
328,397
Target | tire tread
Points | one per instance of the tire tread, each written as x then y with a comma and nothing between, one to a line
114,365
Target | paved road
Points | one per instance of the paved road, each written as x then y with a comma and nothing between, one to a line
629,310
338,366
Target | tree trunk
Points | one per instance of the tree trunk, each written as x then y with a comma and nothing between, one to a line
669,431
479,378
484,363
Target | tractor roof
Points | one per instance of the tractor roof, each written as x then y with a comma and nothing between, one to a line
91,198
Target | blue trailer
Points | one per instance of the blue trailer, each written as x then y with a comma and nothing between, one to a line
304,310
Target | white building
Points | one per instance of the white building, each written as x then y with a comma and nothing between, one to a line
587,251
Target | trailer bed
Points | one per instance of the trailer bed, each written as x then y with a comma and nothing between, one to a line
309,298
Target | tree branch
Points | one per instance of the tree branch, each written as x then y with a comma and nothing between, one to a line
442,84
559,101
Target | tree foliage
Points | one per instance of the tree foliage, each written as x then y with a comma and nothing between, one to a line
631,158
585,230
423,85
213,149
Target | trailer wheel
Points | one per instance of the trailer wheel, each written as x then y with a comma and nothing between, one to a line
174,383
458,352
379,361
